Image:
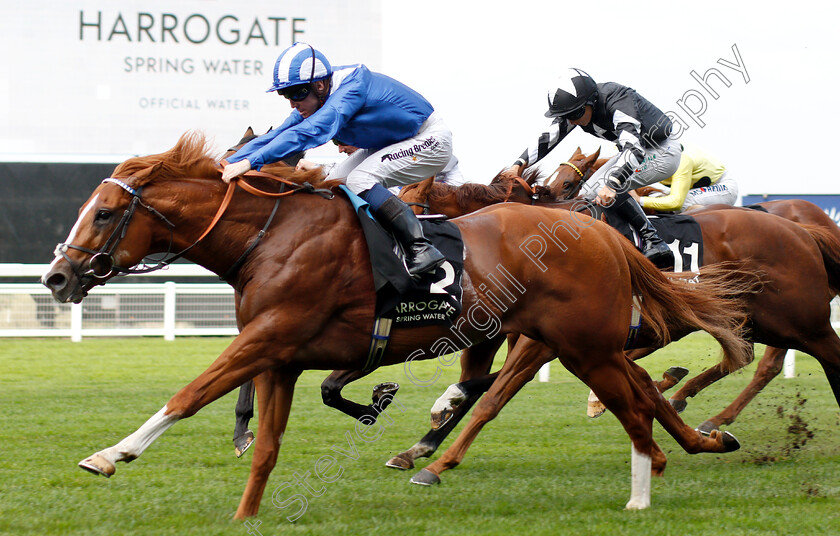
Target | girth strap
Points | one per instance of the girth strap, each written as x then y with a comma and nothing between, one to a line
378,342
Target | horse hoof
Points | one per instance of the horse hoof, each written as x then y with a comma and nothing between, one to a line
425,478
595,410
387,390
400,462
707,427
98,465
730,442
636,504
678,405
678,373
241,443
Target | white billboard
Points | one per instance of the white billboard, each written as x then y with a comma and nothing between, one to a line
95,79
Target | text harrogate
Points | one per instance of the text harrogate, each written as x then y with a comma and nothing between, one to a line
194,28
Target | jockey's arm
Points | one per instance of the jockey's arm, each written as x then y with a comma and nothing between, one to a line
680,185
547,141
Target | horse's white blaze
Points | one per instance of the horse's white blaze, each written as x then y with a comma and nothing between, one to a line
75,229
640,466
72,236
452,397
133,446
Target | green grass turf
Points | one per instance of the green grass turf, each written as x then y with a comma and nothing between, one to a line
541,467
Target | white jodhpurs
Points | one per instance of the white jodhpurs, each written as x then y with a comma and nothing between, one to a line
406,162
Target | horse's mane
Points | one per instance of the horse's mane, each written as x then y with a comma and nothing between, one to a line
470,192
191,157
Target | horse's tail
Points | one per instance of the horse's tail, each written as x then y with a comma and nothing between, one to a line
829,245
714,302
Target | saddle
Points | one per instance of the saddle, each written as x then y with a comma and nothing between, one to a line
681,232
432,298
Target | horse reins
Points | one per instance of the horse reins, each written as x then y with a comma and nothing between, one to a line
528,188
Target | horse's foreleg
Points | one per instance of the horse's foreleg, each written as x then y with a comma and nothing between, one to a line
455,395
242,436
698,383
475,363
519,368
768,367
274,393
131,447
237,364
331,395
468,394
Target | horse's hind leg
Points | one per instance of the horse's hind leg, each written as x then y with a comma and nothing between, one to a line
768,367
331,395
242,436
670,378
826,350
689,439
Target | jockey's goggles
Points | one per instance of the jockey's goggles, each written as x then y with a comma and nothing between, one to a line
296,93
576,114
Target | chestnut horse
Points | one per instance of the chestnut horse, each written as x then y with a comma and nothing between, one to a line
785,314
566,184
306,298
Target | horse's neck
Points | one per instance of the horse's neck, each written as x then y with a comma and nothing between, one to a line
298,217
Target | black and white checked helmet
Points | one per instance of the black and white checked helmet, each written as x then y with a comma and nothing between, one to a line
571,91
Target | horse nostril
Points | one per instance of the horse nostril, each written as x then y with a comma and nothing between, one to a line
56,281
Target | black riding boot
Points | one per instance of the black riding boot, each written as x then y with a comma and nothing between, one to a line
421,255
653,247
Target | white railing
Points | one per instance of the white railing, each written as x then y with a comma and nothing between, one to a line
165,309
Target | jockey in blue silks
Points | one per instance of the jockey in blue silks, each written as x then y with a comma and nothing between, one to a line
401,139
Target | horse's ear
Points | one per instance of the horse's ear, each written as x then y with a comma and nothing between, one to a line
248,133
407,188
589,160
147,172
426,184
577,152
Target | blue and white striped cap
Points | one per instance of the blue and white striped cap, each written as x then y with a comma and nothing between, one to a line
299,64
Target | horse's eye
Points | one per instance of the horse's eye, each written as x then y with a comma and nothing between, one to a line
102,215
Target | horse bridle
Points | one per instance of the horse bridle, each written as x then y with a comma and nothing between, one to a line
101,264
583,178
424,206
